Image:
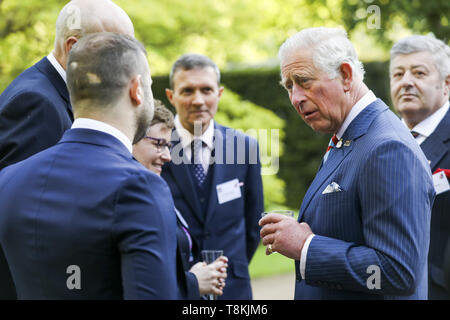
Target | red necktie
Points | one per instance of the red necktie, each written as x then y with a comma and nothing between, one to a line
332,143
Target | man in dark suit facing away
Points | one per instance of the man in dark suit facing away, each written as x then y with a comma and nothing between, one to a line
83,219
35,108
420,84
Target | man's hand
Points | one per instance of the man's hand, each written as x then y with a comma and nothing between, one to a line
285,234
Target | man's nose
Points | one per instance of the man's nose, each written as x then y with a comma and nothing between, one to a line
198,98
407,80
297,96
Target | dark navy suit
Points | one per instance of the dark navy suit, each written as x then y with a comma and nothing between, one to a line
34,113
437,150
85,202
379,219
231,226
187,281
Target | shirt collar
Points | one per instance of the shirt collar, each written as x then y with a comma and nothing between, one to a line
359,106
85,123
186,137
51,58
429,124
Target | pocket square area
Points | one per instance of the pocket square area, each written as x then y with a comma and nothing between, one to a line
332,187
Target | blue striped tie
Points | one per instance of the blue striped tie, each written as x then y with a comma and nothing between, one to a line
199,172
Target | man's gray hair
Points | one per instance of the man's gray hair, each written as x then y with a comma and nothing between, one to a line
331,47
192,61
440,51
101,65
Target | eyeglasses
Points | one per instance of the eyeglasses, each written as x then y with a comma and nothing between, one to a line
160,143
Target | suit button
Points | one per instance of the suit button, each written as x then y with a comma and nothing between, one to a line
202,200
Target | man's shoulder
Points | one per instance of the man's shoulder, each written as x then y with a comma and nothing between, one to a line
228,132
31,82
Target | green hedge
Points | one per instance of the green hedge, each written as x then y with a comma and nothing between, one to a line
302,147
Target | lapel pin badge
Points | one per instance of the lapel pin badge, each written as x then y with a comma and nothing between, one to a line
339,144
347,143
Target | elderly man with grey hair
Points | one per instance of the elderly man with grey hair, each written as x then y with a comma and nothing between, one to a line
35,109
420,84
363,226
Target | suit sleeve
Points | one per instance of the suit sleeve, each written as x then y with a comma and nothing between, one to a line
193,290
254,199
145,233
396,195
29,123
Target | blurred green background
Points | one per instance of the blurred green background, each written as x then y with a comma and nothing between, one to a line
242,37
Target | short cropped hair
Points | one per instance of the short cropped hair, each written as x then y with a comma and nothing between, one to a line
162,115
101,65
440,51
331,47
192,61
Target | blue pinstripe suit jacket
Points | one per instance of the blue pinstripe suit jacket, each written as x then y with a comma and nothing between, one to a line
380,218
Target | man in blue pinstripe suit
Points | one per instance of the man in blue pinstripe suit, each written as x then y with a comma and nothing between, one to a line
363,226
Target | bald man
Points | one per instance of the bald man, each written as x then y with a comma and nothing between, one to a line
35,108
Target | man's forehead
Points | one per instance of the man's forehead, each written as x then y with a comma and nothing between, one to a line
195,76
295,62
413,60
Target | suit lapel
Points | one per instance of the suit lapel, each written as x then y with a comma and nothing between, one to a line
218,170
335,158
357,128
53,76
434,147
183,179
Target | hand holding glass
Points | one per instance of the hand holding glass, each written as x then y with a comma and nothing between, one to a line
288,213
209,256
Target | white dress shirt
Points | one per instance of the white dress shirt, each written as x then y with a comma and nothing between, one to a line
186,139
427,126
359,106
51,58
84,123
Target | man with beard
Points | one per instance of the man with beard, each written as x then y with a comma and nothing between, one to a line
35,108
83,219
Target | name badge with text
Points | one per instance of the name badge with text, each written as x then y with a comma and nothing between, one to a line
440,182
228,191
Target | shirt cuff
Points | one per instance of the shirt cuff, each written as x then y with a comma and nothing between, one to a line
303,256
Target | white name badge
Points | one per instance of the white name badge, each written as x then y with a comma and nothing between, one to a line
228,191
440,182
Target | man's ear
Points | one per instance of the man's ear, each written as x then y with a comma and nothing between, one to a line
346,75
221,91
136,91
68,44
169,95
447,85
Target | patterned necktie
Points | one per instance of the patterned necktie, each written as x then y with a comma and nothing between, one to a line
331,145
415,134
199,172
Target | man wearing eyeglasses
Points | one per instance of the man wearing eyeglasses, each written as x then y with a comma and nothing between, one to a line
219,195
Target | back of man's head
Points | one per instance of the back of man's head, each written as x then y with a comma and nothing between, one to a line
82,17
440,51
100,67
